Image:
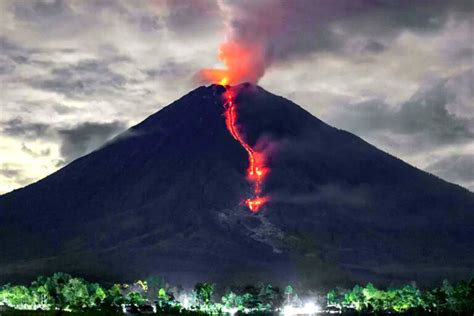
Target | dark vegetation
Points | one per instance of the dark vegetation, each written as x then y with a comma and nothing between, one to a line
63,292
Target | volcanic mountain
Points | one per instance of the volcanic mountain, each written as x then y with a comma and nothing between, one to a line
165,198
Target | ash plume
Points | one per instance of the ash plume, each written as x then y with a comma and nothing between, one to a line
265,32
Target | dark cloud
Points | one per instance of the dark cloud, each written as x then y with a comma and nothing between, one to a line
84,78
340,195
427,112
426,116
266,32
187,18
58,18
86,137
6,66
455,168
13,53
309,26
170,70
34,10
374,46
15,173
17,127
9,172
35,154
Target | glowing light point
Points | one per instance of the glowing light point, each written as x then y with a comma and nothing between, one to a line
307,309
255,204
224,81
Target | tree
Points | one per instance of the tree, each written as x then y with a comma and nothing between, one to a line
115,297
332,298
231,300
97,294
135,299
18,296
288,292
204,293
458,296
270,297
407,297
163,297
41,294
76,295
355,298
155,284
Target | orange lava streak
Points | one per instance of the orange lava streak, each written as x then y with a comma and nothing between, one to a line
257,170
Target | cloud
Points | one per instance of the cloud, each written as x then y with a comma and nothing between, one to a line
9,172
455,168
170,70
433,116
267,32
84,78
14,172
18,128
344,196
187,18
42,153
433,129
83,138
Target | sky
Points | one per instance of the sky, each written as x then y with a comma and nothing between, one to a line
74,74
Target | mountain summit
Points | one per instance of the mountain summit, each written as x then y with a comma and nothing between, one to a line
165,198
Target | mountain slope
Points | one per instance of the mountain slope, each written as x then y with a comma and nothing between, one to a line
165,198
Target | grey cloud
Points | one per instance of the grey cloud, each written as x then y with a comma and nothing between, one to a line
310,26
6,66
15,172
187,18
427,112
9,172
83,138
42,153
86,77
170,70
18,128
455,168
425,116
33,10
13,53
340,195
59,18
374,46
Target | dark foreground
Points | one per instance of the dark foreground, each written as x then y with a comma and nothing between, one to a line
64,294
101,313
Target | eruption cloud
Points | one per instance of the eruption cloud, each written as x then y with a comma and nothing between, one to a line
246,51
246,54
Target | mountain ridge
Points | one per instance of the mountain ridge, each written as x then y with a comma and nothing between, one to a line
165,198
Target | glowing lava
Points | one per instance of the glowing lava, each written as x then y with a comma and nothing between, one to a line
256,171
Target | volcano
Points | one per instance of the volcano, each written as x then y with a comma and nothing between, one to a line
166,198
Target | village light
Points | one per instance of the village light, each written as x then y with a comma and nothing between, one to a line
309,308
231,311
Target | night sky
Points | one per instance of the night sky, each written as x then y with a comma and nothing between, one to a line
76,73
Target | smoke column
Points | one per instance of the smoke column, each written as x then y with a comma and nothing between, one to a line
246,51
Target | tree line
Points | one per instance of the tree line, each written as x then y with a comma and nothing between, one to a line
448,298
64,292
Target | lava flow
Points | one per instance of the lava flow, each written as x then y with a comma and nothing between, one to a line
256,171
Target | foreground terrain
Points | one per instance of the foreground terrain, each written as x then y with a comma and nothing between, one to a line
62,292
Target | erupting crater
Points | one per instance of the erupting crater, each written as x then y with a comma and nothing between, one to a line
257,170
